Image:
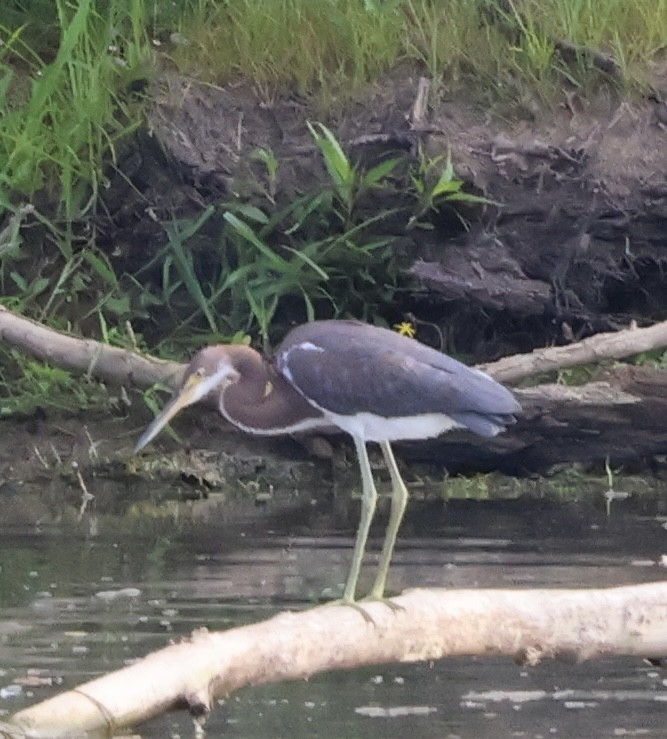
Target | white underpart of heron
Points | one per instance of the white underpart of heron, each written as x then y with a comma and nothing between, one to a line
371,427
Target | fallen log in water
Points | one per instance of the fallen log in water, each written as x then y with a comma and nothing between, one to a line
526,625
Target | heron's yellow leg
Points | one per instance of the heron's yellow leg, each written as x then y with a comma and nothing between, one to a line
399,500
368,503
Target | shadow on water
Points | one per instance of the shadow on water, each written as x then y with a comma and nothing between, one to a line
74,608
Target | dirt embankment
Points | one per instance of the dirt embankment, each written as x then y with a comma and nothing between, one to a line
575,246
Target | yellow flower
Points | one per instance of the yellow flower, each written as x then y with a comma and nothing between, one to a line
406,328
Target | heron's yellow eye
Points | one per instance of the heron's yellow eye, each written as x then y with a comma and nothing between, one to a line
195,377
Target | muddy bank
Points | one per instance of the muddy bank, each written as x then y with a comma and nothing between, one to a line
575,244
80,471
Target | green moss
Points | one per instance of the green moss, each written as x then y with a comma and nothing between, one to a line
567,485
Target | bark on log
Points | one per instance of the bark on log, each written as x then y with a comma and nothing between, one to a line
610,345
620,419
526,625
107,363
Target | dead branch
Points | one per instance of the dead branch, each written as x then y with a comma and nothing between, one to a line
526,625
123,366
613,345
108,363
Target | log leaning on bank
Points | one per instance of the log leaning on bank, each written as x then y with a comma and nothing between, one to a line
86,356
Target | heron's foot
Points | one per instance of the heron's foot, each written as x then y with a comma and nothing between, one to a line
352,604
376,595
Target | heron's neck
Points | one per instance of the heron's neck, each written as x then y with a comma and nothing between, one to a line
261,401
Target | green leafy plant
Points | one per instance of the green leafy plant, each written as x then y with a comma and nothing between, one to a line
316,250
268,159
349,182
436,186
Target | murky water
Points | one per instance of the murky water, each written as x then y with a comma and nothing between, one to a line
75,606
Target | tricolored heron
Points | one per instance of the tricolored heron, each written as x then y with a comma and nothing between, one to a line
370,382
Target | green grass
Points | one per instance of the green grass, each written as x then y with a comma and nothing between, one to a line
65,69
26,384
301,44
333,46
66,105
62,110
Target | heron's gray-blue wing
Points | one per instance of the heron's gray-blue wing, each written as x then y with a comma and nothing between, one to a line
382,373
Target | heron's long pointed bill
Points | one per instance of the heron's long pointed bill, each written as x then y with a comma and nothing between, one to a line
187,396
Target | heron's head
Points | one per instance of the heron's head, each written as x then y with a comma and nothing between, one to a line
209,372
